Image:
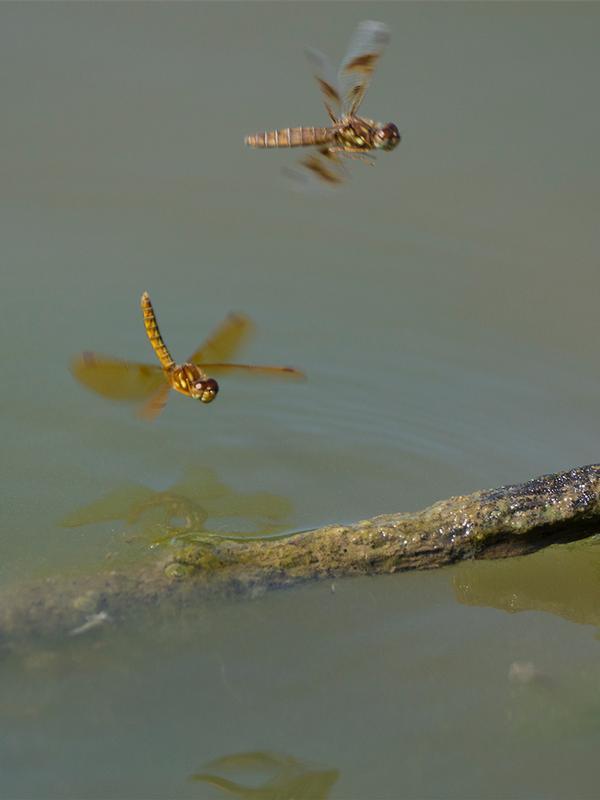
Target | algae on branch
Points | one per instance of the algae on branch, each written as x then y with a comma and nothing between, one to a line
509,521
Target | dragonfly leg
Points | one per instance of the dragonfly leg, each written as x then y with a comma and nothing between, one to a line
359,155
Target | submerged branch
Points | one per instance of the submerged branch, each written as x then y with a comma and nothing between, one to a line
509,521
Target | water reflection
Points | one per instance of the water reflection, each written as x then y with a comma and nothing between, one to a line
562,580
286,777
197,505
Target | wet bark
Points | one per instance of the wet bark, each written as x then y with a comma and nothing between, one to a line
509,521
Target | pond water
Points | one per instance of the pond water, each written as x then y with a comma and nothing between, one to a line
445,308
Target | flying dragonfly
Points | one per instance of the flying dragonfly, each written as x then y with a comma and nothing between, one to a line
349,135
150,384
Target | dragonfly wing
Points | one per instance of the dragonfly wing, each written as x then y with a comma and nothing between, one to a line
320,170
155,403
356,70
115,379
256,370
114,505
325,76
225,341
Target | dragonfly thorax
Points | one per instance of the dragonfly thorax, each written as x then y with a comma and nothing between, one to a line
190,380
355,134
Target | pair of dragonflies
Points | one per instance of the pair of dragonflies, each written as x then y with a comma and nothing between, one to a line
150,384
349,135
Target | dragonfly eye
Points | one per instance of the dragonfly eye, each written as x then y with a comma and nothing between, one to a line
206,390
387,137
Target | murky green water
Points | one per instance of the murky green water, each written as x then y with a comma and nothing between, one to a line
445,308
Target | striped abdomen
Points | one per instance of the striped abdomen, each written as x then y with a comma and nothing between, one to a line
290,137
156,339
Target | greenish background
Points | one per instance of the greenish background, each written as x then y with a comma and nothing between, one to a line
445,308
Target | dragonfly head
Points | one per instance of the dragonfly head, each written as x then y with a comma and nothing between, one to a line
205,390
387,136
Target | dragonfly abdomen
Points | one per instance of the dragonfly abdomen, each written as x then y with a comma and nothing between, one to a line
153,332
291,137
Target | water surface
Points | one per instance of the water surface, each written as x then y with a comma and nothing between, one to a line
444,307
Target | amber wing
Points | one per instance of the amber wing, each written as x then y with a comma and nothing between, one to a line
258,370
226,340
115,379
358,65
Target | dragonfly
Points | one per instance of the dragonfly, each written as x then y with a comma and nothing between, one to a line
348,135
151,384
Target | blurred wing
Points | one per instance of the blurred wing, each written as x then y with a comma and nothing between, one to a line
117,380
320,170
225,341
284,373
358,65
155,403
325,76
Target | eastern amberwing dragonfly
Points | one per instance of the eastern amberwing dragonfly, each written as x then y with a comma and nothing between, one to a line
349,135
150,384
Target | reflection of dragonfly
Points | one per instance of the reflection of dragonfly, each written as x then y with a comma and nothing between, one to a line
349,134
197,505
125,380
289,779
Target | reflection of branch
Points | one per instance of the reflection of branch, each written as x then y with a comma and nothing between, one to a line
563,581
289,779
509,521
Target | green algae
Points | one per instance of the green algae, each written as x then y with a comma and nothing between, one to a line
512,520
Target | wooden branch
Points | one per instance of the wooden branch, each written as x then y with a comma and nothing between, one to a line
509,521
